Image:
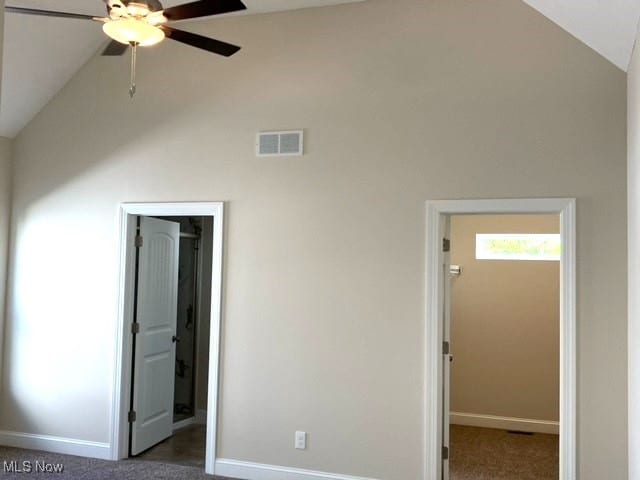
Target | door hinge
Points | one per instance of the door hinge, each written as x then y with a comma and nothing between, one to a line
139,241
446,245
135,328
446,349
132,416
445,453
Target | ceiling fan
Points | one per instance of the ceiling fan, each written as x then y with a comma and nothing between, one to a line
133,23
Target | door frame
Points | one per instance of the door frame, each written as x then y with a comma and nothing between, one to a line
435,211
123,355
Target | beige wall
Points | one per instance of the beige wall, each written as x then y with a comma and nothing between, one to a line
634,263
505,316
402,101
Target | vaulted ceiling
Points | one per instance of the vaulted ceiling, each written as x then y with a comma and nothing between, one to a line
607,26
41,54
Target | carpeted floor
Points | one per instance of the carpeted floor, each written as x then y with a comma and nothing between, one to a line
488,454
78,468
476,454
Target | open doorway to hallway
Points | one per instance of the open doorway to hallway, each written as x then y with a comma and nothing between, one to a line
504,336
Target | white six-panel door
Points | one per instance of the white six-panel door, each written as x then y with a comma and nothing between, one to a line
154,369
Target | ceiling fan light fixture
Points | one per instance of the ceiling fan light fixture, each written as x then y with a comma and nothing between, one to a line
131,30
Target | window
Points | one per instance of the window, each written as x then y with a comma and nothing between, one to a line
518,246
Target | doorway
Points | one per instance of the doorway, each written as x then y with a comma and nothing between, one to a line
173,262
437,332
504,346
166,389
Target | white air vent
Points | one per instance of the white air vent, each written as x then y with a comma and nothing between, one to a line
272,144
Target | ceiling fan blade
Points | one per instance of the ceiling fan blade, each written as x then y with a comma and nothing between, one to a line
115,49
203,8
48,13
198,41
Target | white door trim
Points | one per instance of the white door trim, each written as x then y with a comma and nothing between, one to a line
122,375
566,208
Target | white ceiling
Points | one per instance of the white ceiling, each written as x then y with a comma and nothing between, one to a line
607,26
41,54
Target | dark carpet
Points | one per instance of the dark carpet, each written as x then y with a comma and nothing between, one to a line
489,454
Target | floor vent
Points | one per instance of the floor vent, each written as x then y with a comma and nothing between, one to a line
518,432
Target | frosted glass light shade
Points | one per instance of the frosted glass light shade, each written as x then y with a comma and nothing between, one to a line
131,30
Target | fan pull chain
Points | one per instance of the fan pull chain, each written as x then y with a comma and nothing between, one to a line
134,52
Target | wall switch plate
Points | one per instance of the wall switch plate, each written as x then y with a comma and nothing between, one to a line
301,440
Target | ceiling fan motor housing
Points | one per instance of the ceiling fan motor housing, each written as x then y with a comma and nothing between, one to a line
138,8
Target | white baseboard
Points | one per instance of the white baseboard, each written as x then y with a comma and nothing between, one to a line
504,423
183,423
201,417
47,443
257,471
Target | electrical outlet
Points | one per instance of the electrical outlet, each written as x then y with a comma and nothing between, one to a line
301,440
